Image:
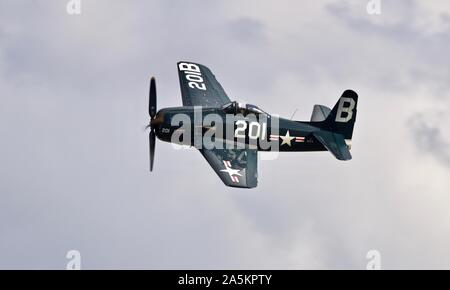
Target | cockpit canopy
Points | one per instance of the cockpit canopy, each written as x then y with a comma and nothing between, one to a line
242,108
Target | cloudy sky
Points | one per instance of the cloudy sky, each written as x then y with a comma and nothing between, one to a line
73,151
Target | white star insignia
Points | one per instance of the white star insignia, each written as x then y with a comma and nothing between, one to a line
286,139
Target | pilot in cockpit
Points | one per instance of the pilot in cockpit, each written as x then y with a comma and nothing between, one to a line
241,108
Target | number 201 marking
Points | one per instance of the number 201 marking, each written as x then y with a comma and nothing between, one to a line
255,130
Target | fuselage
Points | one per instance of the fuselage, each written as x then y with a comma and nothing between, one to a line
215,128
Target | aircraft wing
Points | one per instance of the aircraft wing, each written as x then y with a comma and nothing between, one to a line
334,143
199,86
236,167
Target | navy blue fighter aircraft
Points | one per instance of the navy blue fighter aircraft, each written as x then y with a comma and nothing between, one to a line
230,134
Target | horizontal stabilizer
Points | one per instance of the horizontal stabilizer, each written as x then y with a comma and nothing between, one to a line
320,113
335,143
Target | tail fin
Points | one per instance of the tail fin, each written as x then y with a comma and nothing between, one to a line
342,118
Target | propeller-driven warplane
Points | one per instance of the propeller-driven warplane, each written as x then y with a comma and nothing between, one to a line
229,134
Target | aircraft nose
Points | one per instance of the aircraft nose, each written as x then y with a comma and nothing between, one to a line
158,120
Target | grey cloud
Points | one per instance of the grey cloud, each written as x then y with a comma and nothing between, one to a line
248,30
424,51
394,24
429,139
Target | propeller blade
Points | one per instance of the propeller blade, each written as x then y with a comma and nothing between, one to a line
151,139
152,98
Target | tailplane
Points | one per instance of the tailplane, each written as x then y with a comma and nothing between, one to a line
320,113
334,143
